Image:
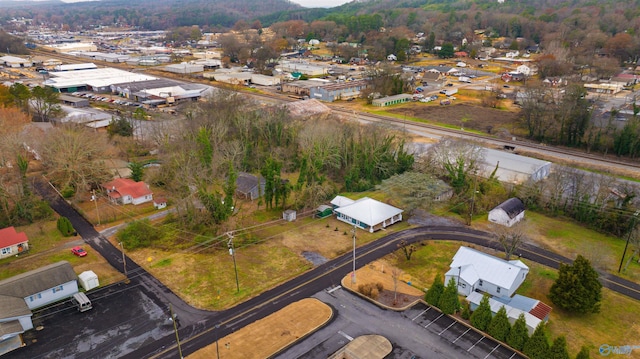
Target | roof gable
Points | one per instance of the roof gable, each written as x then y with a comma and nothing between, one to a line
485,267
9,237
38,280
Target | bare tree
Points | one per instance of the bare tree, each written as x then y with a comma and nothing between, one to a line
511,238
407,249
396,273
456,159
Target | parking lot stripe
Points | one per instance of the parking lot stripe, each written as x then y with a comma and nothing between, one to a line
479,340
514,354
345,335
424,311
431,322
445,329
462,335
492,351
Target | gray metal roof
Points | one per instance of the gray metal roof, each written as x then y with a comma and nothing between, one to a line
478,265
512,207
13,307
38,280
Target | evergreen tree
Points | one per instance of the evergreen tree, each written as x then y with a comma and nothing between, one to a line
65,227
433,294
583,354
481,317
499,327
558,349
137,171
519,334
537,347
466,311
577,288
449,302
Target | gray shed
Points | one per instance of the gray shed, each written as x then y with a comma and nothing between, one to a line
247,186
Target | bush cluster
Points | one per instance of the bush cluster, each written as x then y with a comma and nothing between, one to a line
371,290
65,227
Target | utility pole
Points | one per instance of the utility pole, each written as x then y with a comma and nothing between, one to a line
353,274
473,198
232,252
95,199
124,263
633,225
175,329
217,349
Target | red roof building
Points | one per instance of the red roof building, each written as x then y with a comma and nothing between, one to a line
125,191
12,242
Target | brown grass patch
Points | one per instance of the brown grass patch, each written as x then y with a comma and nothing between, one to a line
381,272
269,335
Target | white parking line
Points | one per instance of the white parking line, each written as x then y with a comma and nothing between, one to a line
492,351
424,311
345,335
462,335
431,322
514,354
479,340
445,329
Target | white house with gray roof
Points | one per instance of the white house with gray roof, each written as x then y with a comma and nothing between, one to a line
366,213
477,271
24,292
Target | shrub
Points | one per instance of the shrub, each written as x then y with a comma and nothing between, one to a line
519,334
481,317
449,302
139,234
370,290
65,227
433,294
466,311
499,327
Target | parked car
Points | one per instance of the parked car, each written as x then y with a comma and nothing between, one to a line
79,251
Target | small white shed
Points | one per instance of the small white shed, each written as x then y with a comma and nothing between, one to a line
88,280
289,215
508,212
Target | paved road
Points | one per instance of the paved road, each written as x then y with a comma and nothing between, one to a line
198,327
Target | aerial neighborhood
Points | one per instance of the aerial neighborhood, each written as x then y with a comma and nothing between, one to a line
286,179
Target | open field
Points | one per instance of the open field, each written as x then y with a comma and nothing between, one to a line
265,257
269,335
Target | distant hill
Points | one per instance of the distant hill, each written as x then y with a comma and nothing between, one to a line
149,14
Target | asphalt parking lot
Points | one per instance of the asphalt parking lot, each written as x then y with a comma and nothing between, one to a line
458,334
124,317
416,333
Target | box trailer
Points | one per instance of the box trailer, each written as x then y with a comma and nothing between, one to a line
451,92
464,79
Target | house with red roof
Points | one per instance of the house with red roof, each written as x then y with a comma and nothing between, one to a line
12,242
126,191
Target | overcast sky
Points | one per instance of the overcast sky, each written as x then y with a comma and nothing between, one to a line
320,3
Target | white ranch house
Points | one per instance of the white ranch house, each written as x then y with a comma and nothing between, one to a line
366,213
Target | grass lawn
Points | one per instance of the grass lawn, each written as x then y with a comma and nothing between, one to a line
265,257
47,246
107,212
267,336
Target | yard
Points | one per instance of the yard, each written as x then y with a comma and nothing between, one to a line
47,245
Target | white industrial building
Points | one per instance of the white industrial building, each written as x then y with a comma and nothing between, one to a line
184,68
514,168
303,68
97,80
73,47
15,62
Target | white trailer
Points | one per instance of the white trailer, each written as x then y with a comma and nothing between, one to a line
451,92
464,79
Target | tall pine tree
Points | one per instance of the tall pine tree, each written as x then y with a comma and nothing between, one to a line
449,302
519,334
499,327
537,347
481,317
433,294
558,349
577,288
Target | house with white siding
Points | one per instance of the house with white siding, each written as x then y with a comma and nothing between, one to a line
12,242
24,292
126,190
473,270
366,213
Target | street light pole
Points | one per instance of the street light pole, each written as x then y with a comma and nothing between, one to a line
217,349
353,274
233,254
175,329
633,225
